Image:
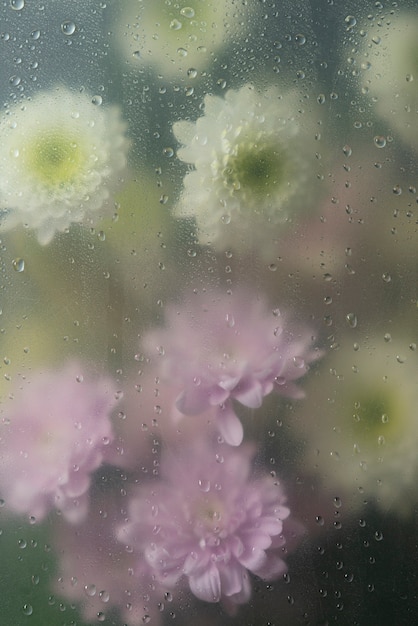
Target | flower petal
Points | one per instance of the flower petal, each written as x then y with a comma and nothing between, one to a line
207,585
230,426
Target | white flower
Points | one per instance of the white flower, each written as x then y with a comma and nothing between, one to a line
59,156
249,162
361,424
174,37
389,71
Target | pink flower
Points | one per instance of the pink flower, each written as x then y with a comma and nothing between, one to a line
208,523
225,348
53,435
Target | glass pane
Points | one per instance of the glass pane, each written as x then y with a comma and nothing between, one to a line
208,312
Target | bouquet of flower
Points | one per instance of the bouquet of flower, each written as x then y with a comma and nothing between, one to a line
208,231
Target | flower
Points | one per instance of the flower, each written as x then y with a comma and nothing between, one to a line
208,522
53,436
60,155
249,165
96,571
363,434
178,40
389,71
222,349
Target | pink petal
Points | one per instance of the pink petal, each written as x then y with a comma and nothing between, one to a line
256,539
273,567
232,579
207,586
250,395
229,383
253,560
230,426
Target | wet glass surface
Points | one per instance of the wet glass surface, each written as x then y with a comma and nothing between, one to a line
208,312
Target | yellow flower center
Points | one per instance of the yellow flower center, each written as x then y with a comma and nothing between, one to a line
256,169
377,416
54,158
208,513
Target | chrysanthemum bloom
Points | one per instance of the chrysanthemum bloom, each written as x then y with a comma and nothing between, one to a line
249,157
179,40
222,348
209,522
387,56
60,155
95,571
53,434
361,427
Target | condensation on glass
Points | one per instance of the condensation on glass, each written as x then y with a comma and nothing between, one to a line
208,312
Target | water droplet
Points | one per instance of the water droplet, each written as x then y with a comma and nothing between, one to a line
319,520
300,39
168,152
175,25
27,609
204,485
280,380
351,21
90,590
104,596
97,100
347,151
17,5
351,320
18,265
298,362
187,12
68,28
230,321
379,141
